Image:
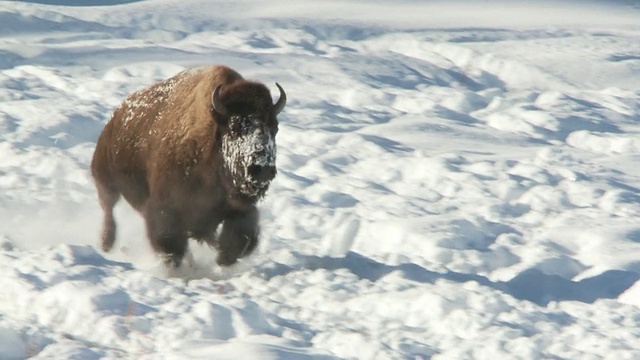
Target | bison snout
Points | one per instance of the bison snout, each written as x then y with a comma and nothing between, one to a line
262,173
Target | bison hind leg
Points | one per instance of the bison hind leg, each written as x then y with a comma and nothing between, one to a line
108,233
108,198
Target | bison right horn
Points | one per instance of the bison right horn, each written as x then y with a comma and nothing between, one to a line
282,101
218,106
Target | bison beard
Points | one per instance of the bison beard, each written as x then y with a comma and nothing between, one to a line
191,153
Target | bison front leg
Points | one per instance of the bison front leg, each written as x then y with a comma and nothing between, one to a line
239,237
166,234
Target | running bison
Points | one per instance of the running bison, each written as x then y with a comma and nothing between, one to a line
190,153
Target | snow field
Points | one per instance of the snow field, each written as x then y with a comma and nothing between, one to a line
449,187
107,309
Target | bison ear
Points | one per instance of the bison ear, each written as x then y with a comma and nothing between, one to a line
282,101
217,104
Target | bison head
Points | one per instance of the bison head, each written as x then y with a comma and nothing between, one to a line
248,141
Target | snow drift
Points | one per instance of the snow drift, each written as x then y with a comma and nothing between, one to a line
456,181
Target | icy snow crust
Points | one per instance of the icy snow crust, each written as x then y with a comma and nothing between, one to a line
456,180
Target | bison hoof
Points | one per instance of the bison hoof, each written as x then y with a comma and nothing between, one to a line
226,259
107,245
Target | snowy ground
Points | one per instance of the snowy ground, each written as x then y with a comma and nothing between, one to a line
457,180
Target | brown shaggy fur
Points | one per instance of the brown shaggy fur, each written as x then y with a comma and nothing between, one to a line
161,151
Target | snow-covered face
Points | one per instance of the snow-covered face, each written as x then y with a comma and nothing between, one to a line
249,151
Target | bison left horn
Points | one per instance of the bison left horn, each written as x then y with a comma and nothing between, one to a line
218,106
282,101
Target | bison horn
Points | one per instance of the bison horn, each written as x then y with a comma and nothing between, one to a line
282,101
218,106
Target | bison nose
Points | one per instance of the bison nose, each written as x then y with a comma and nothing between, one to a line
262,173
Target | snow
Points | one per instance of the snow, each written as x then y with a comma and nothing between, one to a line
456,180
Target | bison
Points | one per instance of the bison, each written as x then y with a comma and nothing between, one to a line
191,153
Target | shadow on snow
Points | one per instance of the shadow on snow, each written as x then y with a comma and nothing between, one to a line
532,285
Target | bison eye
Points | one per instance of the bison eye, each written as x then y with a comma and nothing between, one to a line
272,124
